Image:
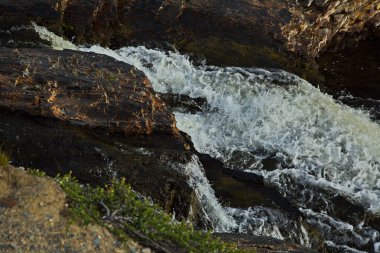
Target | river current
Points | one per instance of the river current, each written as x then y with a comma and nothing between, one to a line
322,147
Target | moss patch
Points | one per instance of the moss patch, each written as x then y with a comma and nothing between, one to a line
4,159
126,214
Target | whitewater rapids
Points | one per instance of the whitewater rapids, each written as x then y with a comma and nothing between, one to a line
254,114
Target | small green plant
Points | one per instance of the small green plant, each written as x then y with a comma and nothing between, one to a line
37,172
126,215
4,159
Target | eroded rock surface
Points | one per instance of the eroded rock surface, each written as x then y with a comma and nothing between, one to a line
331,24
83,89
67,111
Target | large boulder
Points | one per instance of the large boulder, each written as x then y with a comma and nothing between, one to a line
100,118
84,89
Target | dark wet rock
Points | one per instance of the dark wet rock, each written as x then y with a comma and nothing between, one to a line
96,158
64,111
319,210
329,215
263,244
243,176
321,199
252,201
241,189
354,71
373,220
184,103
45,12
21,36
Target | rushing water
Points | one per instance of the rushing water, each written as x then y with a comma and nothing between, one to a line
253,114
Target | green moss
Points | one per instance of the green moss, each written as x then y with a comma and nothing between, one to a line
129,215
4,159
37,172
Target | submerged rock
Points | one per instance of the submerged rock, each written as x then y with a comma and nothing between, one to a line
263,244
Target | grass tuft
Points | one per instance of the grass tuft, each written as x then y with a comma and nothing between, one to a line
37,172
127,215
4,159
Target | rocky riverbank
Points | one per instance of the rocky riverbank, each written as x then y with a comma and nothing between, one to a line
100,118
275,34
38,215
67,111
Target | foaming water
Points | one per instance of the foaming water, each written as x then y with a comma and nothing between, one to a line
263,221
274,114
57,42
211,208
271,114
259,114
338,231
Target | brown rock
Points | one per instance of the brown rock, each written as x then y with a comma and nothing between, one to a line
343,18
18,13
8,202
240,33
64,111
82,89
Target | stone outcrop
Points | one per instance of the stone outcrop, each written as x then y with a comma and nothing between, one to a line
331,24
64,111
273,34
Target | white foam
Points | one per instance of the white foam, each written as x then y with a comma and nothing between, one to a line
256,110
57,42
269,222
211,208
377,247
339,231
